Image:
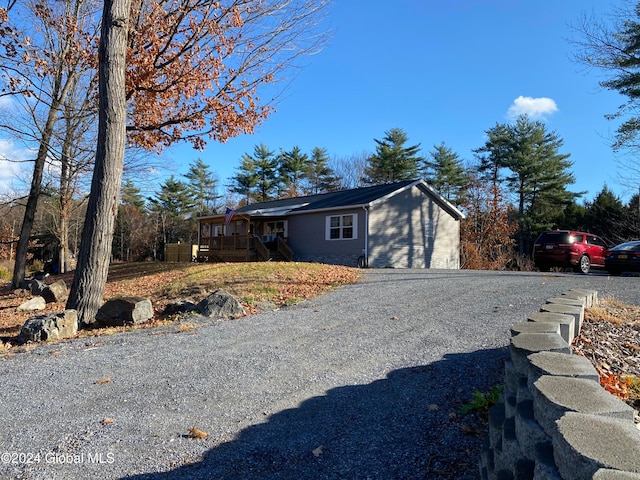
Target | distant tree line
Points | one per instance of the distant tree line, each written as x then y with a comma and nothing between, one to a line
516,186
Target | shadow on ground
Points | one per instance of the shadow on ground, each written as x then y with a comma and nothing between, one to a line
405,426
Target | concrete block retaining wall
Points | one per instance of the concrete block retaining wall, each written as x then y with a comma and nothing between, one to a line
554,420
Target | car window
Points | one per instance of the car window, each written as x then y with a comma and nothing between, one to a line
577,238
553,237
630,246
595,241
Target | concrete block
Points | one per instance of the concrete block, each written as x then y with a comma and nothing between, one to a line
511,451
544,471
496,421
578,302
524,393
523,469
579,453
530,434
535,327
591,296
607,474
566,322
553,397
562,365
544,453
576,312
525,344
510,378
504,475
510,403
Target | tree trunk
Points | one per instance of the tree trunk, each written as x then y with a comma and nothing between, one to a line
95,248
32,202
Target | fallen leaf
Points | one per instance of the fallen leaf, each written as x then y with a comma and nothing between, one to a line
318,451
195,433
102,380
433,407
394,318
107,421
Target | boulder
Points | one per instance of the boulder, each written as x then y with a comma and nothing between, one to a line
180,306
35,303
52,326
37,287
221,304
122,311
55,292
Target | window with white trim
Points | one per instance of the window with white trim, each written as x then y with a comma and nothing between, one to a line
341,227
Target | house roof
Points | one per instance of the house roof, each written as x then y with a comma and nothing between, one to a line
357,197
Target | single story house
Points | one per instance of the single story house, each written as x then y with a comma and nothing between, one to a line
404,224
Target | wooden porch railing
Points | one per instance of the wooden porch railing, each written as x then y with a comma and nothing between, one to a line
261,248
285,249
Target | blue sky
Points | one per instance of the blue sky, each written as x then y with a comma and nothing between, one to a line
444,71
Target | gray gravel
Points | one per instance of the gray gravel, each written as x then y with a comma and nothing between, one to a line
364,382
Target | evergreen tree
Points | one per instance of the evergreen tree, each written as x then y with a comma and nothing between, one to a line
174,206
606,216
257,176
633,218
392,161
291,170
539,177
493,155
320,177
203,187
446,173
536,174
572,218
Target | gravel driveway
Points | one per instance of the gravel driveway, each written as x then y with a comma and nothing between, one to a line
364,382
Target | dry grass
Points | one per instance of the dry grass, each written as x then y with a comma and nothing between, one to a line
610,339
256,285
614,311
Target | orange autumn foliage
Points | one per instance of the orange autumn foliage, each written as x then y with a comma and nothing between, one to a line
486,232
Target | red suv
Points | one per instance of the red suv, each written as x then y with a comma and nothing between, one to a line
566,248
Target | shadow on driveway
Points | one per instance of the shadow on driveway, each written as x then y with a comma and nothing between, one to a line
405,426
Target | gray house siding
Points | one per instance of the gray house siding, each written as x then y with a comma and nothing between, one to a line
412,230
307,238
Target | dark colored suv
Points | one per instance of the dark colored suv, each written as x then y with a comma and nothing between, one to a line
566,248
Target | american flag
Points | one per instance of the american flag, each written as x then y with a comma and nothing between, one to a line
228,216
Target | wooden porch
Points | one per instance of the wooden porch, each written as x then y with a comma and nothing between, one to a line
241,240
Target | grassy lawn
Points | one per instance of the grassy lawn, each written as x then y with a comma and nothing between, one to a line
257,286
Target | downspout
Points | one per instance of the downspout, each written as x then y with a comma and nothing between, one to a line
365,250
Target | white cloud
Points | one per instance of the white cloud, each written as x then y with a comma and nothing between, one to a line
10,172
534,108
6,102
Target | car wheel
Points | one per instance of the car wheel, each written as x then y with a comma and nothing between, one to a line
584,264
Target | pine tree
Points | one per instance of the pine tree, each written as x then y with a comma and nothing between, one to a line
392,161
606,216
175,206
291,170
320,177
493,155
534,172
446,173
202,186
257,176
